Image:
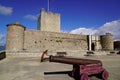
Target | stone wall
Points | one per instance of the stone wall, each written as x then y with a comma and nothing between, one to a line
70,53
49,21
107,42
20,39
15,37
95,43
41,40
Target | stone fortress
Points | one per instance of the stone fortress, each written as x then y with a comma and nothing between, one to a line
49,37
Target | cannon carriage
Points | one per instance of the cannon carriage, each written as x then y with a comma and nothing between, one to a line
82,68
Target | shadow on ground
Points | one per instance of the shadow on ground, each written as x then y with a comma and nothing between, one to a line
69,74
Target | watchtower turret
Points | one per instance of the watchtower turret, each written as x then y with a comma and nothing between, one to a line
49,21
107,42
15,37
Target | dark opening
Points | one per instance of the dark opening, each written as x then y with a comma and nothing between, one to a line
93,46
2,55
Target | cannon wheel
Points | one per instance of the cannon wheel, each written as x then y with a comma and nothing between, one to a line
84,76
105,75
73,72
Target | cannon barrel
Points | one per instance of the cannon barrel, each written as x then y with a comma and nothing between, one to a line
69,60
77,61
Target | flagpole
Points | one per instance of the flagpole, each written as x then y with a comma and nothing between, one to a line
48,4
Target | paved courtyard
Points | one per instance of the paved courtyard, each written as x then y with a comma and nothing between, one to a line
30,68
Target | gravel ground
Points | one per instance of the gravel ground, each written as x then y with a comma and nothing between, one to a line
30,68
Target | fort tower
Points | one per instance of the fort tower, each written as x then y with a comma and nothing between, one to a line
49,21
15,37
107,42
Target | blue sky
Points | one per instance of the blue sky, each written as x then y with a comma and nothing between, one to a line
93,17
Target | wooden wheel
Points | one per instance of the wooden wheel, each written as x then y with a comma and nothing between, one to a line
105,75
84,76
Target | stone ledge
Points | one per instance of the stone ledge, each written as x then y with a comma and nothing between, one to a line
72,53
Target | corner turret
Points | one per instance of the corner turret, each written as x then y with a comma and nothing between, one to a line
107,42
15,37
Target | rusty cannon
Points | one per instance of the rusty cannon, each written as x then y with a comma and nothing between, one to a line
82,68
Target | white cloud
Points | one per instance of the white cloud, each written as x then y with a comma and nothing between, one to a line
112,27
5,10
84,31
64,31
2,40
31,17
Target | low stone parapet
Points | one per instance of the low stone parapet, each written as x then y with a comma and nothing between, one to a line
71,53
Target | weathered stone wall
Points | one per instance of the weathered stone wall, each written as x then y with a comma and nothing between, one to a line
96,43
49,21
20,39
15,37
41,40
107,42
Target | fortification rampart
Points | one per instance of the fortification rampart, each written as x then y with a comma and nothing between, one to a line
20,39
42,40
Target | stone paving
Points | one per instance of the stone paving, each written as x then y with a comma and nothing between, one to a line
30,68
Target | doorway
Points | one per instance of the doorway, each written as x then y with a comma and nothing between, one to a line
93,46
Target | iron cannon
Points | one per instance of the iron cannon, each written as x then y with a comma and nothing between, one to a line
82,68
